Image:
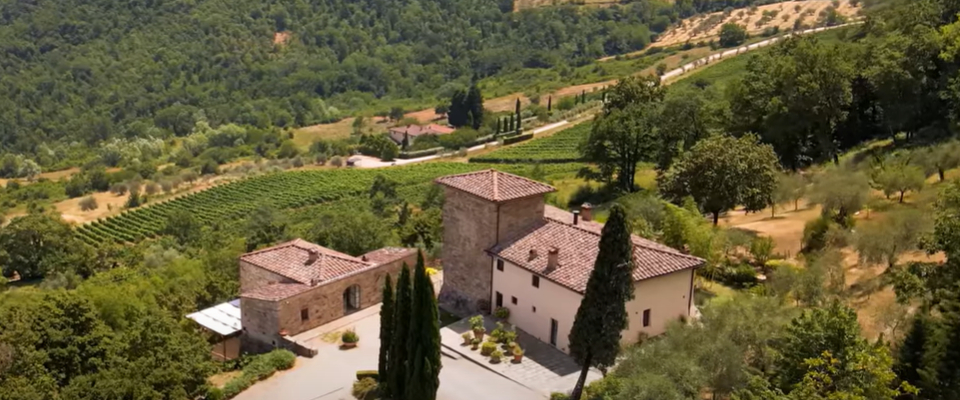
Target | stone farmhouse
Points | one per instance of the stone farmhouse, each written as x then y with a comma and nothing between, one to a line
297,286
504,247
412,132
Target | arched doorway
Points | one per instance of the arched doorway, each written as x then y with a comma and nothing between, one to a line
351,299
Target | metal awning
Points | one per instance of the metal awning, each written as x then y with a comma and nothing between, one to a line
223,319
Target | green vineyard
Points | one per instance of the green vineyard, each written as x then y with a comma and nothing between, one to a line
284,190
561,147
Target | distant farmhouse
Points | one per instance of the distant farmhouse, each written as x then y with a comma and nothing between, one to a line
503,247
412,132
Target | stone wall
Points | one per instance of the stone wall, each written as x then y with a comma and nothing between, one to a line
260,324
264,320
252,277
471,225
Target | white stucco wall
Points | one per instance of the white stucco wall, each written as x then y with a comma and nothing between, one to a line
550,299
665,296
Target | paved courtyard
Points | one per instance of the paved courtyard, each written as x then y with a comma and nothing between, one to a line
543,369
331,373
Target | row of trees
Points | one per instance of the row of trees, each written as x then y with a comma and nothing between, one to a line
409,361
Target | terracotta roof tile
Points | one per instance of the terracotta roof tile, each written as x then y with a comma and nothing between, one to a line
388,254
578,248
292,260
494,185
274,292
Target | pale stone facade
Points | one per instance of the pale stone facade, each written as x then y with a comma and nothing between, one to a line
471,226
267,320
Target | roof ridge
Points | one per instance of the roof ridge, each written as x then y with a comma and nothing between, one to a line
496,185
632,235
274,247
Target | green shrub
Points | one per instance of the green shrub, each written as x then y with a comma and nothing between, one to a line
502,312
741,276
259,368
365,389
214,393
349,336
364,374
487,347
815,234
559,396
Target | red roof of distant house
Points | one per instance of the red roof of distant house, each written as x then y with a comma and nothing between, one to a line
494,185
578,248
293,260
417,130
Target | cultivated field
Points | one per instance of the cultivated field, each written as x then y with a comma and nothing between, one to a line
781,15
284,190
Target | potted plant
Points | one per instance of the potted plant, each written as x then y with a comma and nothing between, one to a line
467,338
475,344
517,354
495,356
349,339
487,348
476,323
508,337
502,313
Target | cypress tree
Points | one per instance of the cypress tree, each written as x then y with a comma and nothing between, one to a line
911,352
386,336
549,103
511,123
457,115
423,347
602,316
942,358
474,107
517,110
396,382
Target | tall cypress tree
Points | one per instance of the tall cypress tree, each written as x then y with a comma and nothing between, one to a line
511,124
942,357
517,127
457,115
602,316
423,350
474,106
549,103
386,336
397,377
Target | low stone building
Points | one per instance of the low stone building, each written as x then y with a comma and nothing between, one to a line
504,247
297,286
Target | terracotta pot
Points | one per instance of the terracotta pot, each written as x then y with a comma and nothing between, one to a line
349,345
478,334
474,347
517,358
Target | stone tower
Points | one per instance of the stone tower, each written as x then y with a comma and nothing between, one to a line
481,209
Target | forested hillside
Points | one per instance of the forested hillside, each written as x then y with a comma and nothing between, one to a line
79,72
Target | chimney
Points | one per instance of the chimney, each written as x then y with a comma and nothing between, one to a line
363,257
312,257
586,211
576,216
553,256
533,254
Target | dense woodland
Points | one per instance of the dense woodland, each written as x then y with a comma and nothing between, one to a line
77,73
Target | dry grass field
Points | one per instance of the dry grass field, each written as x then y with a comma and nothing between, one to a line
783,15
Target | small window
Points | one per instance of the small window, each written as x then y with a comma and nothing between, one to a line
534,308
646,318
304,314
513,300
499,265
536,281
